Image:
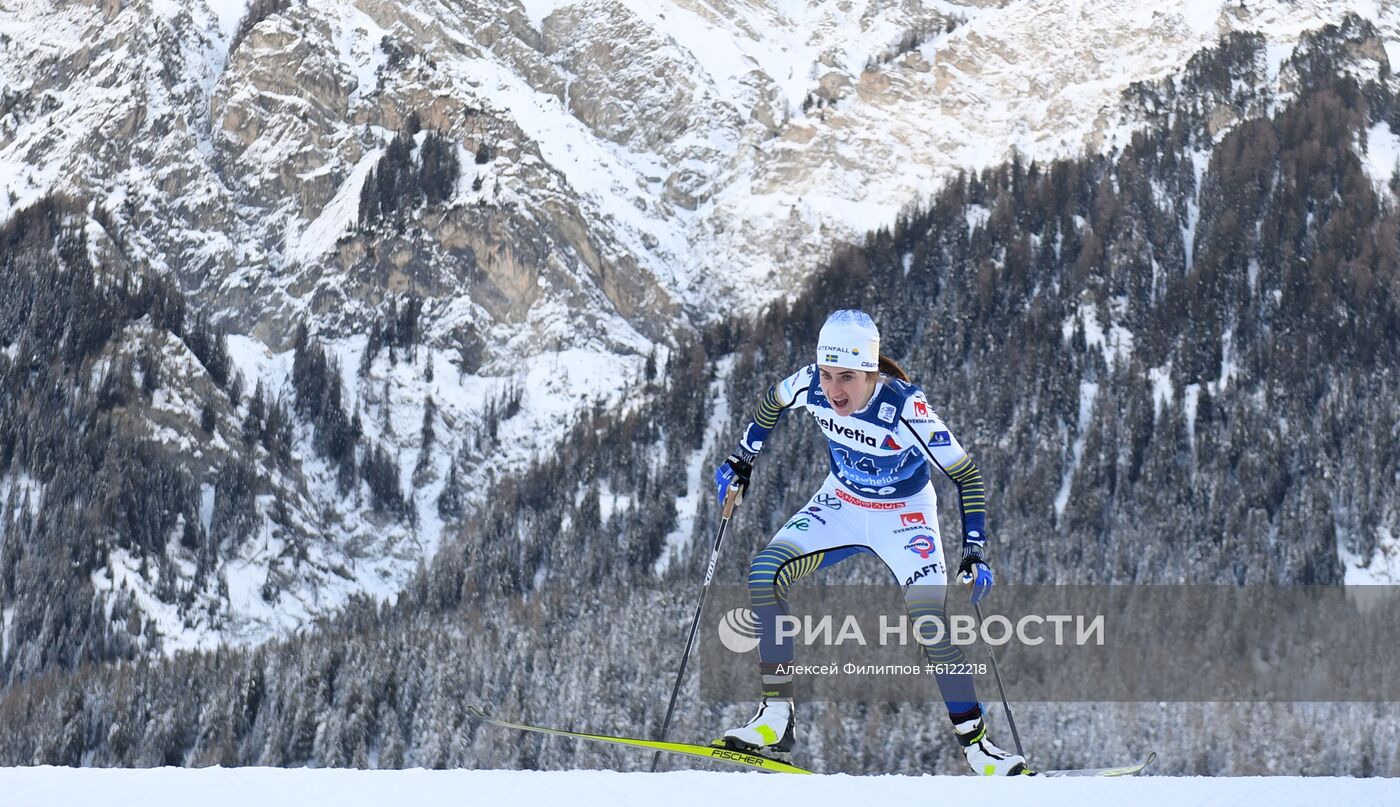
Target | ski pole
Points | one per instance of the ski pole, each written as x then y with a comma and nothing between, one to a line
731,500
1001,690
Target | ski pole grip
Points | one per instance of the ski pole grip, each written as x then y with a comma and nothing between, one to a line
731,500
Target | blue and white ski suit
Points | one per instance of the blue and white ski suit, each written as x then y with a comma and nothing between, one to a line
879,499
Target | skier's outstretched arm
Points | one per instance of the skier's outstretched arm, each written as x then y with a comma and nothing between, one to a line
782,396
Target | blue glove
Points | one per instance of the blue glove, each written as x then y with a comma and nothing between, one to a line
974,571
734,473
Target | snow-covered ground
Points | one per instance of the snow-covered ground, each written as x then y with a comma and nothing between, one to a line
272,787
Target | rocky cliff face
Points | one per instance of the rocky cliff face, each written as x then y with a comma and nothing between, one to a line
559,190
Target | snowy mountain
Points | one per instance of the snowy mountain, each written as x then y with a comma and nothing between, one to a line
561,194
704,153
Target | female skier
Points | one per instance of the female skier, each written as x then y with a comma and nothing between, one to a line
883,438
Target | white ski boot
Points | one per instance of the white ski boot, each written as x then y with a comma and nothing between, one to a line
769,730
986,759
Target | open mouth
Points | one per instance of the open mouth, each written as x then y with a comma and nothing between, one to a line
840,403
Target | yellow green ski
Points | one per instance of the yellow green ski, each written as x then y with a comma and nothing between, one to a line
757,762
718,753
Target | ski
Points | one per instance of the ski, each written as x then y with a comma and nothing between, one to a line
719,753
1125,770
754,761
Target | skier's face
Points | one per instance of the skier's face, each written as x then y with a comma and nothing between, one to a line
847,390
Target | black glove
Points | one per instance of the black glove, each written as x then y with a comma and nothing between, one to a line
733,473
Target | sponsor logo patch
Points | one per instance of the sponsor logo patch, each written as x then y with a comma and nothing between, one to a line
920,408
827,500
887,412
939,439
910,519
890,444
815,512
801,524
922,544
846,497
832,426
932,568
